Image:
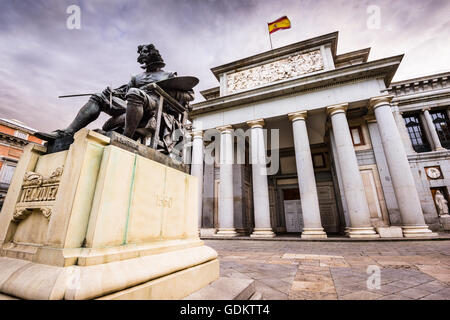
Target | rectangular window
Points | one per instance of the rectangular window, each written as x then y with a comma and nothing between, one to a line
441,123
357,136
7,173
20,134
319,160
416,133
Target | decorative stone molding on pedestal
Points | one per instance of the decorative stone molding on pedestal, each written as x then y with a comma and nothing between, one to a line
306,180
261,205
99,222
226,211
402,179
197,168
360,224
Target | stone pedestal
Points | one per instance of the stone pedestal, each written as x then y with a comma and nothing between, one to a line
445,221
98,221
390,232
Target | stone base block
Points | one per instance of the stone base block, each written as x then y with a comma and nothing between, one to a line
262,233
363,232
445,221
417,232
207,232
226,289
226,232
172,287
390,232
313,233
144,277
85,223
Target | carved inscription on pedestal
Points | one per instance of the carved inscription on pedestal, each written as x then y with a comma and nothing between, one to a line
286,68
37,193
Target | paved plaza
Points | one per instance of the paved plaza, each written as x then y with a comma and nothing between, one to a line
300,270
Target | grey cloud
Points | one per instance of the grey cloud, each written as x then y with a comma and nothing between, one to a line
42,59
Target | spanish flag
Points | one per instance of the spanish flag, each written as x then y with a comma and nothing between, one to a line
281,23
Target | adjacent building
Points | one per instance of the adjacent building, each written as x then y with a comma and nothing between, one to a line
14,136
358,154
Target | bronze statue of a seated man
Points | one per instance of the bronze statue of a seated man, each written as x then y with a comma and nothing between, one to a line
131,106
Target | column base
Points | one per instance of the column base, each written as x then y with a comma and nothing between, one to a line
226,232
262,233
347,231
417,232
313,233
207,232
363,232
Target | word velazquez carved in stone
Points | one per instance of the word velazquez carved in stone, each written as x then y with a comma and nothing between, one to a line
37,188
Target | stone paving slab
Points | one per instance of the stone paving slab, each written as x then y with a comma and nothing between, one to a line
409,270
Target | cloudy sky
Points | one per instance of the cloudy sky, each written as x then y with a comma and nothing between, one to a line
41,58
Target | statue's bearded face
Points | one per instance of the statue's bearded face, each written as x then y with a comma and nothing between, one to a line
149,57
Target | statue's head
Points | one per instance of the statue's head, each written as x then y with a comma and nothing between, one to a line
149,57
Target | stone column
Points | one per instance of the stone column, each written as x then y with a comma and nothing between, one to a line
432,130
312,225
402,129
261,206
226,212
360,224
197,168
413,222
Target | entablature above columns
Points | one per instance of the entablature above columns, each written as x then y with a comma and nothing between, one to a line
381,69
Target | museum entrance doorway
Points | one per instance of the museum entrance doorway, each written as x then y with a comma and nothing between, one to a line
292,208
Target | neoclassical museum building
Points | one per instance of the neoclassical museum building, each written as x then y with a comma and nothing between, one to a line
358,155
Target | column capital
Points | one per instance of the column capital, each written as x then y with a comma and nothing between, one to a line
375,102
337,108
299,115
426,109
197,134
225,129
259,123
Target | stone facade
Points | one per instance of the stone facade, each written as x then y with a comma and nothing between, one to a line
354,149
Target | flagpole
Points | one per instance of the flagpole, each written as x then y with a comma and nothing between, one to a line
270,37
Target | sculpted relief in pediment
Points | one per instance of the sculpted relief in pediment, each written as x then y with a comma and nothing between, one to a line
290,67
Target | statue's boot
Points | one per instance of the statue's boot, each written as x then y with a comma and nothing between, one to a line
134,115
87,114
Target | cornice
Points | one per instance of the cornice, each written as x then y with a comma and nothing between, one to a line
382,68
330,38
